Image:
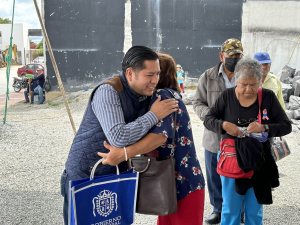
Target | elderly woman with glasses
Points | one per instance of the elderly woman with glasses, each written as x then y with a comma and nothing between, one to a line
235,115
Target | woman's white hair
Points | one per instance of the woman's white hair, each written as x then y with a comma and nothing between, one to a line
248,68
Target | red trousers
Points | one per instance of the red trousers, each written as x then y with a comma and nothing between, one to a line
190,211
182,88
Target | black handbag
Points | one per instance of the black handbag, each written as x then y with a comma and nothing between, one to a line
157,185
280,148
47,85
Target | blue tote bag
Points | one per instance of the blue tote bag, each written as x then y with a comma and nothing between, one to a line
108,200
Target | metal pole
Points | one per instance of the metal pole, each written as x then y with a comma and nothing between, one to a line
55,66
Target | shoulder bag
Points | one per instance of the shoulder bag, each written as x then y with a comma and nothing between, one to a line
280,148
156,186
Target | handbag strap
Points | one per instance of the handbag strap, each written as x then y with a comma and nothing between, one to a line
174,127
259,103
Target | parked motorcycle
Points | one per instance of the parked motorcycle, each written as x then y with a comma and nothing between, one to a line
19,84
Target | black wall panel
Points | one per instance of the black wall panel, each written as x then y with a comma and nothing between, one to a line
189,30
88,36
87,40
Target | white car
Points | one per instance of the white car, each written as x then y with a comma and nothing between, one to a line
39,59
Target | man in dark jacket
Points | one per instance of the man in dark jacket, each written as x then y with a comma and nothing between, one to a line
210,86
116,113
30,92
40,80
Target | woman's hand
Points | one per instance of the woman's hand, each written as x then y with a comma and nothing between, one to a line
255,128
231,129
114,157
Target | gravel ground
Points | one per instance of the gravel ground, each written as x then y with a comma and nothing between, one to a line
34,145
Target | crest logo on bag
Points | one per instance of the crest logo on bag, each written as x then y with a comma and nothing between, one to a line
105,203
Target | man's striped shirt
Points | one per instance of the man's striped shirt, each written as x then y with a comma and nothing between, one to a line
107,107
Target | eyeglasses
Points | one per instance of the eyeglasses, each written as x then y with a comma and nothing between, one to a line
244,121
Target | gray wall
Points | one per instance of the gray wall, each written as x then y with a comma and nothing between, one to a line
273,27
89,38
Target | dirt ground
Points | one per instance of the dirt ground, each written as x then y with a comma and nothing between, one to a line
34,145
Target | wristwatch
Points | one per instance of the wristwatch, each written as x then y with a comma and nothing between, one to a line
266,128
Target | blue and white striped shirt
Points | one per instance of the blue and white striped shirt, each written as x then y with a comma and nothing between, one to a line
107,107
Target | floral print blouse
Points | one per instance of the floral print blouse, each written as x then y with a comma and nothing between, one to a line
188,173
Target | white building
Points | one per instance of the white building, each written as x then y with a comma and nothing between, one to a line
20,38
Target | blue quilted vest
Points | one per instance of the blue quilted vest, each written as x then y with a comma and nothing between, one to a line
90,136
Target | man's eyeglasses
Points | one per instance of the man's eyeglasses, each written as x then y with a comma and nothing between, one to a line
244,121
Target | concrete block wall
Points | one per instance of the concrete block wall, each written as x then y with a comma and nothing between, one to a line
273,27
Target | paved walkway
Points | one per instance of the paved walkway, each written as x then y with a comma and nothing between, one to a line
3,81
14,97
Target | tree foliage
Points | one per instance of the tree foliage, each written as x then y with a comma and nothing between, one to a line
5,21
39,48
40,45
41,52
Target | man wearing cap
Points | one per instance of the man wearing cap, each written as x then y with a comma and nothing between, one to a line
269,80
40,80
210,85
180,77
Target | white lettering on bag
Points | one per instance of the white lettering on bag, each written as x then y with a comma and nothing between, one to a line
114,221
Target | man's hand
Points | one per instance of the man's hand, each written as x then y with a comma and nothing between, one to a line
231,129
114,157
255,128
163,108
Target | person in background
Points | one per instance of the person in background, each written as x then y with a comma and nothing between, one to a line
30,91
40,80
210,85
180,77
188,174
269,80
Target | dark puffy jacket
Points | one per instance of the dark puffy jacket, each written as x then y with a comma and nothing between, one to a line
90,136
40,80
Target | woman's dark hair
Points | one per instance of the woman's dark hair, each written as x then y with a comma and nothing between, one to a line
168,74
136,56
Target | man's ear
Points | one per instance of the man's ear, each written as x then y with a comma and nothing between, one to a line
221,56
129,74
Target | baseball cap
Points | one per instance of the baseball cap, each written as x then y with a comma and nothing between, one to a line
232,46
39,69
262,57
178,65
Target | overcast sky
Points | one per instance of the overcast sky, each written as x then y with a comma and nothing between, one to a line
24,12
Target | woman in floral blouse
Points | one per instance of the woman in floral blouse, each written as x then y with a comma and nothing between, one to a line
188,173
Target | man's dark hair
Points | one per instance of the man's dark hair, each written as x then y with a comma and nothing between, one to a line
136,56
